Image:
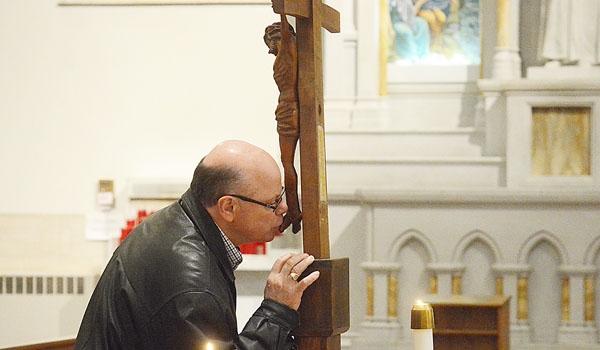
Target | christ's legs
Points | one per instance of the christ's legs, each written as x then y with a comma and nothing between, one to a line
287,144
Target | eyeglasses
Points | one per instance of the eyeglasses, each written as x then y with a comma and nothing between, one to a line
272,206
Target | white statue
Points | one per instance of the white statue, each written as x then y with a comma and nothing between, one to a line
571,32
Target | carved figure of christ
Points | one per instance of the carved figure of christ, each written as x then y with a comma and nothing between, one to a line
310,16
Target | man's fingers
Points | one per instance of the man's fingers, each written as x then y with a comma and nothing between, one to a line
308,280
294,264
280,262
301,265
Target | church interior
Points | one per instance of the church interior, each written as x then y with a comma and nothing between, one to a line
470,170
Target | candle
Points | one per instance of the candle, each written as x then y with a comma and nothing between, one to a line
421,323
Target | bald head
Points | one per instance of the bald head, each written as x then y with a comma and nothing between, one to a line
235,153
230,167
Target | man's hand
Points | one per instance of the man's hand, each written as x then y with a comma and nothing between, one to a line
282,284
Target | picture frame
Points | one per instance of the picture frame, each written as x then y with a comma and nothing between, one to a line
519,147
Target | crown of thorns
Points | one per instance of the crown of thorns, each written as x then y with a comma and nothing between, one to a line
276,27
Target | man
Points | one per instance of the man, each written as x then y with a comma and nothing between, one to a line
280,38
170,284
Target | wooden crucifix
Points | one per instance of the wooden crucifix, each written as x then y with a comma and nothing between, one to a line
324,312
311,15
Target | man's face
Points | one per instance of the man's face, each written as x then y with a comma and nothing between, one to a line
259,223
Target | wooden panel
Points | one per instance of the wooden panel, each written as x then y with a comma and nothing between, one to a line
471,322
67,344
330,295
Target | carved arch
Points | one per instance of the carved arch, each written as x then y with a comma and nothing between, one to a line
412,235
475,236
591,251
538,237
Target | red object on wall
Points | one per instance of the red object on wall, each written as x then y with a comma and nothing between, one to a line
258,248
131,224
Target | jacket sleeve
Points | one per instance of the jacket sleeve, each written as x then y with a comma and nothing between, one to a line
270,328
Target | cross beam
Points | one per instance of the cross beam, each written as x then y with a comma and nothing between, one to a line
330,18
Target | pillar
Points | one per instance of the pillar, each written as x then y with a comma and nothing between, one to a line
512,280
522,308
500,285
577,305
456,284
590,299
381,324
507,59
433,284
447,278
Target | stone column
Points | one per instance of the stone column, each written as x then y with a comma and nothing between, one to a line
457,284
433,284
511,280
370,308
575,305
500,285
565,301
381,324
392,294
522,300
448,278
507,59
590,299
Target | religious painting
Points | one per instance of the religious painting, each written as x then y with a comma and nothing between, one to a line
560,141
433,32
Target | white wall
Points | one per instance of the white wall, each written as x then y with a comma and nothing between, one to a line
124,91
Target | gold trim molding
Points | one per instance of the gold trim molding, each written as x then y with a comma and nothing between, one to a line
456,285
565,303
370,309
392,309
590,295
522,309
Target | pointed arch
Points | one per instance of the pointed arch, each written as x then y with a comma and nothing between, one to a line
408,236
538,237
592,251
475,236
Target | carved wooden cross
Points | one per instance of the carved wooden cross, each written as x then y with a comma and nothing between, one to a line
311,15
324,312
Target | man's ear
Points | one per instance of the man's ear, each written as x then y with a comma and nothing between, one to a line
227,207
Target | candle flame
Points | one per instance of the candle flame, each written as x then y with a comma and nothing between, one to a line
419,302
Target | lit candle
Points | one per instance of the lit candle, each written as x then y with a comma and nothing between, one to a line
421,323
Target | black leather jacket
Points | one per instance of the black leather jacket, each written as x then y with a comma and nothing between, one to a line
169,285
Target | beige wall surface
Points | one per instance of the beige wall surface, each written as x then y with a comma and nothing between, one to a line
118,92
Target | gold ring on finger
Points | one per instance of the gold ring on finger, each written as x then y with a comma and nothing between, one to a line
294,276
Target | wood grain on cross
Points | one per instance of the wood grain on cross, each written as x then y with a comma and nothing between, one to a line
311,15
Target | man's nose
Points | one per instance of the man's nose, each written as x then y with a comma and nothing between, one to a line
282,208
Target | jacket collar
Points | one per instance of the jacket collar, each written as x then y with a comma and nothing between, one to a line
208,229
